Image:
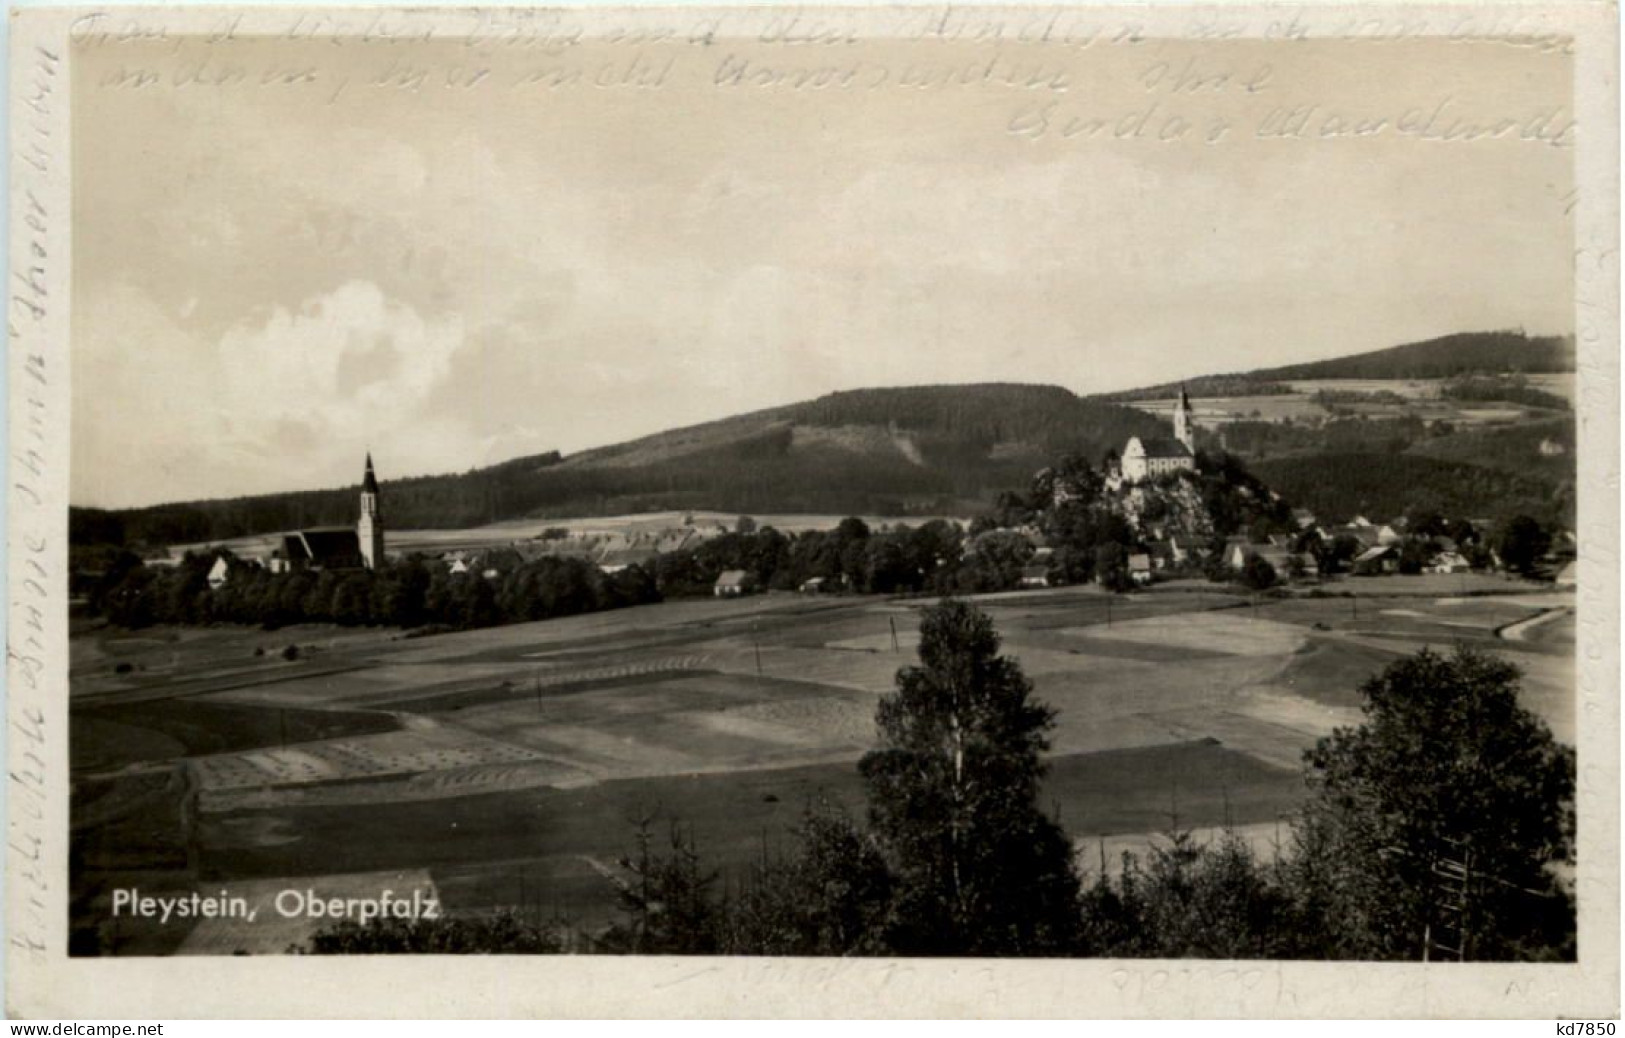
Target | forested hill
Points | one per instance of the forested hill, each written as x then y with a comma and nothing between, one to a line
1445,357
1466,353
894,451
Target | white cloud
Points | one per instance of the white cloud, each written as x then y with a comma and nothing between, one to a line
290,400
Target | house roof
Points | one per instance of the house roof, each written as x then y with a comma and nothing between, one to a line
733,578
331,544
1139,563
1371,554
629,557
1159,447
369,482
1366,535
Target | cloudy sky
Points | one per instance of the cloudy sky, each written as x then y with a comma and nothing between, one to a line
270,279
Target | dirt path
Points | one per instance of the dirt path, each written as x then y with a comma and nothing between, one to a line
1518,631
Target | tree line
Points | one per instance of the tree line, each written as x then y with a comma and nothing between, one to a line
415,592
955,857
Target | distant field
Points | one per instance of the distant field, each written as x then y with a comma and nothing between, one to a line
402,542
517,756
1421,398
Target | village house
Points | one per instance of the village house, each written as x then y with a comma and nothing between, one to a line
1365,536
1449,562
1035,576
614,560
1139,568
733,583
1381,558
219,573
1239,553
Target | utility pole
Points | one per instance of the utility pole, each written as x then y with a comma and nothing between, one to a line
893,621
756,645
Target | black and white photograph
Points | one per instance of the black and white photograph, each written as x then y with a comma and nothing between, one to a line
990,483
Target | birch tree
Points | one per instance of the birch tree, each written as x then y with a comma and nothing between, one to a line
953,799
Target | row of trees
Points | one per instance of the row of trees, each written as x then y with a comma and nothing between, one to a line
955,856
411,592
1088,544
1383,483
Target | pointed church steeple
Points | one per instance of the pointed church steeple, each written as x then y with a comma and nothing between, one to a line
1184,427
370,527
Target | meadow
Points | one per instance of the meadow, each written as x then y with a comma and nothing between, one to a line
508,766
1416,397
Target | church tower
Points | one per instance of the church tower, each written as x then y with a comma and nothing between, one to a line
369,529
1184,429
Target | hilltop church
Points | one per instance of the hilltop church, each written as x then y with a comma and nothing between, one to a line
1156,456
337,547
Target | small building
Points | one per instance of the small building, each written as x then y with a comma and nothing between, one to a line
617,559
1139,568
219,573
1569,575
733,583
1365,536
457,561
1035,576
813,585
1380,559
1449,562
1238,554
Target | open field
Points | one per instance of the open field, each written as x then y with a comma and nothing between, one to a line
404,542
509,760
1421,398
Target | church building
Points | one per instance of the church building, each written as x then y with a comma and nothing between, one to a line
1155,456
337,547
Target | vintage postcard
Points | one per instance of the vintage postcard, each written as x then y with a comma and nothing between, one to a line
814,511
